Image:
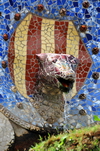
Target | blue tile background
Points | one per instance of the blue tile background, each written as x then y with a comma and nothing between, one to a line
79,15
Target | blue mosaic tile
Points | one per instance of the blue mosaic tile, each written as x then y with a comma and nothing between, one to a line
80,16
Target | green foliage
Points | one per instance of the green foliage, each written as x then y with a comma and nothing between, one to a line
40,138
75,140
96,118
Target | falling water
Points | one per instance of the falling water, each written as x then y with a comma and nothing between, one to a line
67,98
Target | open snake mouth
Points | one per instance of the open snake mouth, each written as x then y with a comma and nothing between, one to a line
66,84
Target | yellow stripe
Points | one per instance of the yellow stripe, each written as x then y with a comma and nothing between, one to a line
72,40
20,55
72,45
47,36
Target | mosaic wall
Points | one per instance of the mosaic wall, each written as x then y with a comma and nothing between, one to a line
32,27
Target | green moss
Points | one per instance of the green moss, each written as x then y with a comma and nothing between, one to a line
84,139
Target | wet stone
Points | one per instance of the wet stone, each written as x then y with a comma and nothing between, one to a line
82,112
45,102
83,28
82,96
4,64
31,100
40,7
17,16
95,50
36,106
50,120
20,105
5,37
14,89
95,75
85,4
63,12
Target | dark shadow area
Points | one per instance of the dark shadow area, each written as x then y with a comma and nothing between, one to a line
24,142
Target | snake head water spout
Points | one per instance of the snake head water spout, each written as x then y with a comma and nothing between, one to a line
58,70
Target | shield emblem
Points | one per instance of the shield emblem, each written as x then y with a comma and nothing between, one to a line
39,35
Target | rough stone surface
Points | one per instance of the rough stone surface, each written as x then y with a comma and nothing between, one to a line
6,133
50,111
19,131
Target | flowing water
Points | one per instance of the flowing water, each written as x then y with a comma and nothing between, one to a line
67,98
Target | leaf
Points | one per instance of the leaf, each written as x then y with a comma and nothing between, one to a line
96,118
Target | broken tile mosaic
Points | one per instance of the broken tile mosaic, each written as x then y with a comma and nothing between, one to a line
58,27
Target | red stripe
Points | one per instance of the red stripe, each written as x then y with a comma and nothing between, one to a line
11,55
33,47
84,66
60,34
